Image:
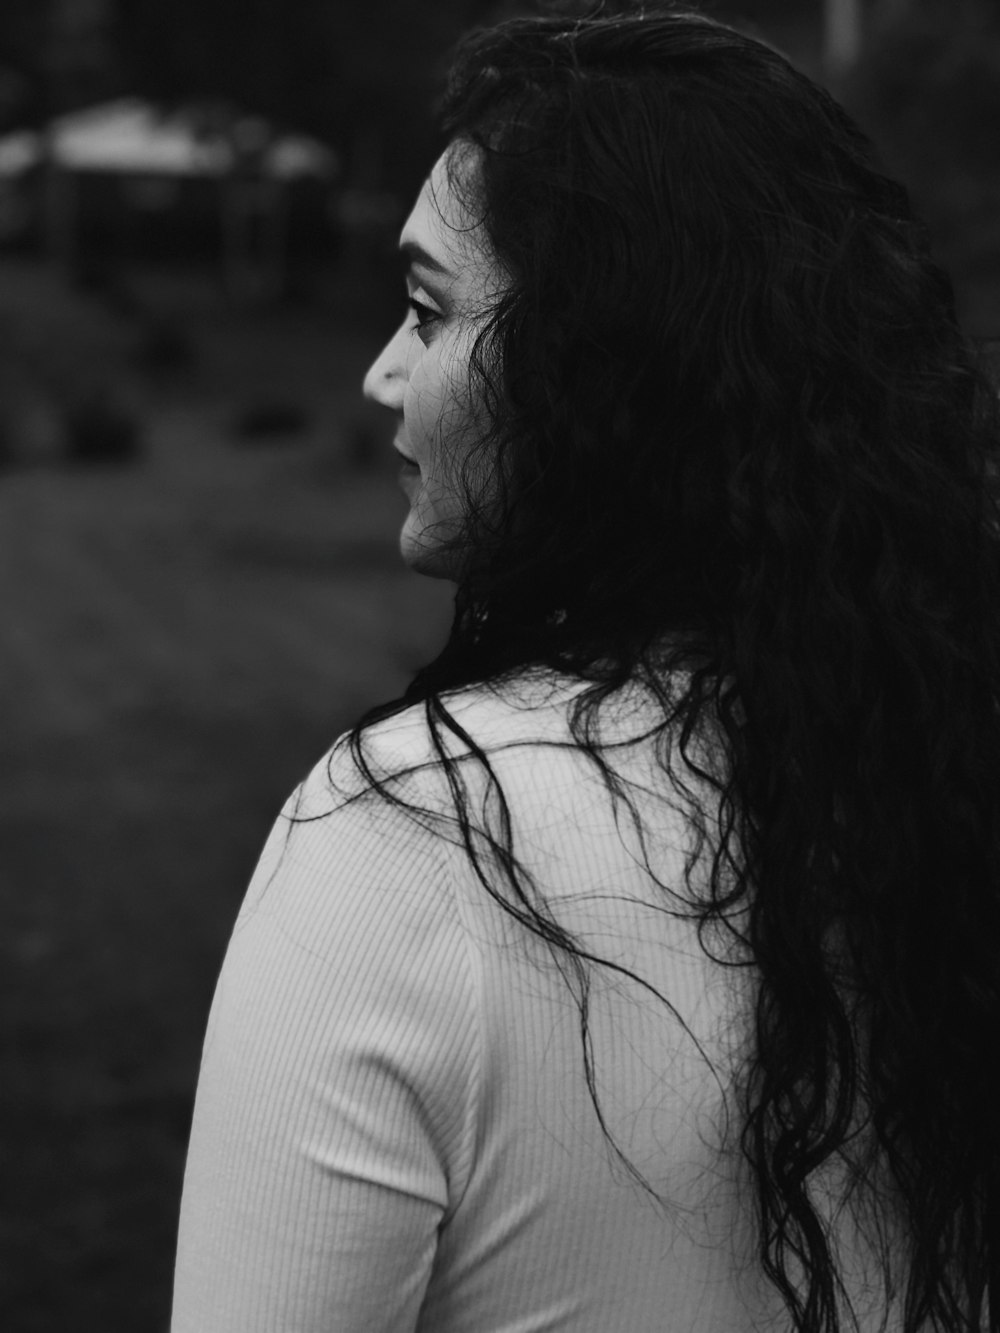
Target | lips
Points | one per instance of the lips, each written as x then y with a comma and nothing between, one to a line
411,462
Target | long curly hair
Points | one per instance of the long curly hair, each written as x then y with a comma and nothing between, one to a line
731,422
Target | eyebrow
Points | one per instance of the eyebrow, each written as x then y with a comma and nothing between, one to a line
415,254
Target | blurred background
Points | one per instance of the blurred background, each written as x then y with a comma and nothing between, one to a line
199,585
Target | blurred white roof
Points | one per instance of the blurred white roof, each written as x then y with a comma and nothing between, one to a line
131,136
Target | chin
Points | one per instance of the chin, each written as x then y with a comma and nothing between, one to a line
425,553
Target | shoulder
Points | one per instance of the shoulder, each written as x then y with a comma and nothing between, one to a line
365,876
532,706
354,909
406,755
394,812
374,833
514,741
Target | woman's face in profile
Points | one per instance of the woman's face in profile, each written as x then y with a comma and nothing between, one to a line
421,374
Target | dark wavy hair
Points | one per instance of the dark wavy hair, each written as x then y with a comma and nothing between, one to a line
731,423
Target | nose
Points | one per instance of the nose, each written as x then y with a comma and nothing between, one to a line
386,378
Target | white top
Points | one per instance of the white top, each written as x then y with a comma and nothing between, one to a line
393,1129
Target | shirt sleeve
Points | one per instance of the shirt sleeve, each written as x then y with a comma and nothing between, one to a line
334,1117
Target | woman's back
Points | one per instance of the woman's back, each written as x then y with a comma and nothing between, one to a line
444,1084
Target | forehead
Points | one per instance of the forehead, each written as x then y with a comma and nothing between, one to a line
441,224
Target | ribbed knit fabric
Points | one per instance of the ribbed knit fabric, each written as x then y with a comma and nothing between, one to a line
393,1129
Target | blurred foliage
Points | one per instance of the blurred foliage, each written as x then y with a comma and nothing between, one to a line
56,55
928,91
360,76
101,429
22,39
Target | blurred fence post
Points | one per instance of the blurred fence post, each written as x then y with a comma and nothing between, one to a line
59,209
254,222
254,240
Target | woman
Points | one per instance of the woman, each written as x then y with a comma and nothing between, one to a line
638,969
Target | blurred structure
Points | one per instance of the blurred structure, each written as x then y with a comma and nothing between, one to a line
123,178
926,87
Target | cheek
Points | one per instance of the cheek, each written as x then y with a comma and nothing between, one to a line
435,405
422,405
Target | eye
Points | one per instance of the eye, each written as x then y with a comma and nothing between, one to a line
426,316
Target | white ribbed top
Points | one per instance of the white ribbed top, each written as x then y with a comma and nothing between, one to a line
393,1129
